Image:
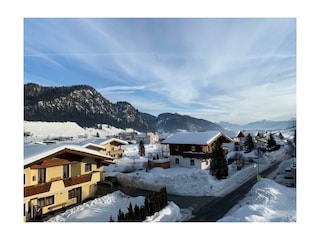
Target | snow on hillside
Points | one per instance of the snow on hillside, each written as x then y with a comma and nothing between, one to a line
41,130
53,129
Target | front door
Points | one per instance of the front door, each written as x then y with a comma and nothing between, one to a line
79,194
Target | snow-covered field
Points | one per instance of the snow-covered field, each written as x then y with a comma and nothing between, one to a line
42,130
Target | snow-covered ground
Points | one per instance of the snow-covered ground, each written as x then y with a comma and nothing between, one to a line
42,130
268,201
131,171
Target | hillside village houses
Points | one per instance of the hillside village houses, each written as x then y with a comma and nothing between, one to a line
59,176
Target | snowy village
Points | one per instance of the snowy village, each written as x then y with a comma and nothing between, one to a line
106,174
157,120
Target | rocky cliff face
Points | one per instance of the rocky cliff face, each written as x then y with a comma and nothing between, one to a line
87,107
81,104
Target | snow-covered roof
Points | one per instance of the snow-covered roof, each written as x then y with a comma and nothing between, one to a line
88,145
198,138
232,133
47,152
115,140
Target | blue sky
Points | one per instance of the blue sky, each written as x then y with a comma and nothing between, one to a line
238,69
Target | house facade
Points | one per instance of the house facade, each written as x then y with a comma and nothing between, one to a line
112,147
147,138
193,150
60,177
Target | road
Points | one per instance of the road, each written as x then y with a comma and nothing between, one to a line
219,206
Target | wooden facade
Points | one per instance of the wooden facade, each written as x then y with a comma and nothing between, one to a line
193,154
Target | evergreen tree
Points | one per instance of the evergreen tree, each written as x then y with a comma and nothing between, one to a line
130,212
218,166
281,136
141,148
137,213
120,216
248,143
271,142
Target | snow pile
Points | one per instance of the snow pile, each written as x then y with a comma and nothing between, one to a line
171,213
103,208
178,181
99,209
267,201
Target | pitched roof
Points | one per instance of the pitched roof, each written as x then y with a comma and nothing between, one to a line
197,138
94,146
114,139
69,148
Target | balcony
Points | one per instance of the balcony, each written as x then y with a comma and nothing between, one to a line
77,180
199,155
37,189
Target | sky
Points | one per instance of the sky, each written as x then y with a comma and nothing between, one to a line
220,69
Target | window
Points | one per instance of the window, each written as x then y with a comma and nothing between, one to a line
75,193
42,202
87,167
65,170
193,148
176,148
71,193
177,160
41,175
192,162
24,178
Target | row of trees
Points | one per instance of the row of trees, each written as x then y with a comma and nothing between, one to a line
153,203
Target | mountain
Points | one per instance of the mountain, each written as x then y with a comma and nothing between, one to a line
169,122
81,104
260,125
87,107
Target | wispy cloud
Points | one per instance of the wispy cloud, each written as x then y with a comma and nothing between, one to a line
219,68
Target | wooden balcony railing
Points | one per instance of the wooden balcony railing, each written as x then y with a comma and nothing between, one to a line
77,180
199,155
45,187
37,189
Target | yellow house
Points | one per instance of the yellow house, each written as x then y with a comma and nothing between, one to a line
113,147
60,177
